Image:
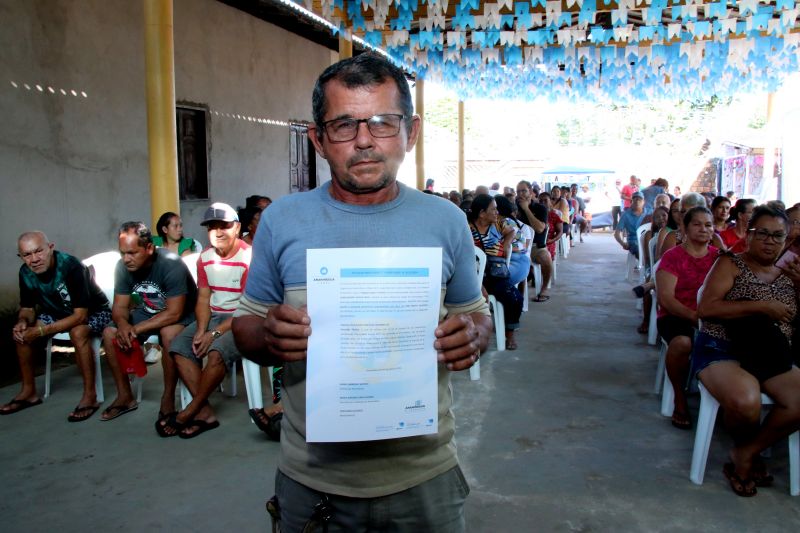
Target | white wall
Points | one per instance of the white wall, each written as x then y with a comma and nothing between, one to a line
76,167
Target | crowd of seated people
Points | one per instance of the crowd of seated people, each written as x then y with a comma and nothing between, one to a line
155,293
518,228
740,337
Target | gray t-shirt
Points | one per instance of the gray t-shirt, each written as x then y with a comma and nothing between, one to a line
314,219
150,287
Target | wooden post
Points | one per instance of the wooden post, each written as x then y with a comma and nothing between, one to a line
420,97
160,92
460,145
345,48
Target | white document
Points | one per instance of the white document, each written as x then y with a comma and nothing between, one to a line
372,368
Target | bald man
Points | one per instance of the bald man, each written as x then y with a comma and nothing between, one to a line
62,291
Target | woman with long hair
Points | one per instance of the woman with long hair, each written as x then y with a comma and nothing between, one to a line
170,235
520,260
249,218
494,237
680,274
734,237
744,347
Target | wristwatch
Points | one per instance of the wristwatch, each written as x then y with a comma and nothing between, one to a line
216,334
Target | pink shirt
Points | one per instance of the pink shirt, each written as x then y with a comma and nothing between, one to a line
690,271
628,191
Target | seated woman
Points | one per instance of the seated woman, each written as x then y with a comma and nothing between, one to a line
734,237
721,209
674,238
520,260
673,223
170,235
660,216
680,274
249,218
744,347
793,241
494,237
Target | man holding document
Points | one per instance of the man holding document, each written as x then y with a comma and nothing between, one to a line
370,299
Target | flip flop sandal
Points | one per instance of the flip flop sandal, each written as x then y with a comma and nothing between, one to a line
116,411
681,421
739,486
167,422
20,405
79,414
541,298
272,427
201,425
761,475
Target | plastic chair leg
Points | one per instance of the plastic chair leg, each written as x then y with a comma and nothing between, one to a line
499,323
475,371
652,331
702,439
661,368
794,463
47,365
98,373
667,397
537,278
525,297
252,382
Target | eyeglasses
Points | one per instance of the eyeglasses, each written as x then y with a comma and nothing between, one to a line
763,235
342,130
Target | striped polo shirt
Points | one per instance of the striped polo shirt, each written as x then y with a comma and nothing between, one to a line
225,277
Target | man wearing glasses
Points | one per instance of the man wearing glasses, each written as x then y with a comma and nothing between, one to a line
57,294
363,126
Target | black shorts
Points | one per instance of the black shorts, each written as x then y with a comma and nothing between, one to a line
670,327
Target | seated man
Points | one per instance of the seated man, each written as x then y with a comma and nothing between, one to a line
221,277
630,221
154,294
68,300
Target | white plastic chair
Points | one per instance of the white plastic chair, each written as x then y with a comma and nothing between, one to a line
480,260
705,429
652,331
563,246
102,266
498,314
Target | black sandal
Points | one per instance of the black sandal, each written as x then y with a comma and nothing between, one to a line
746,488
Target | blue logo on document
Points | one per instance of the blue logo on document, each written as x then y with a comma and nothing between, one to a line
323,270
401,424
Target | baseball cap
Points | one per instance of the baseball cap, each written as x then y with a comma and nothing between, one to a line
219,212
637,194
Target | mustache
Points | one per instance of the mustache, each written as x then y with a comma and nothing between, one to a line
365,156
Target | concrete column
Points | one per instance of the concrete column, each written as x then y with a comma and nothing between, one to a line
420,97
345,48
160,91
460,145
